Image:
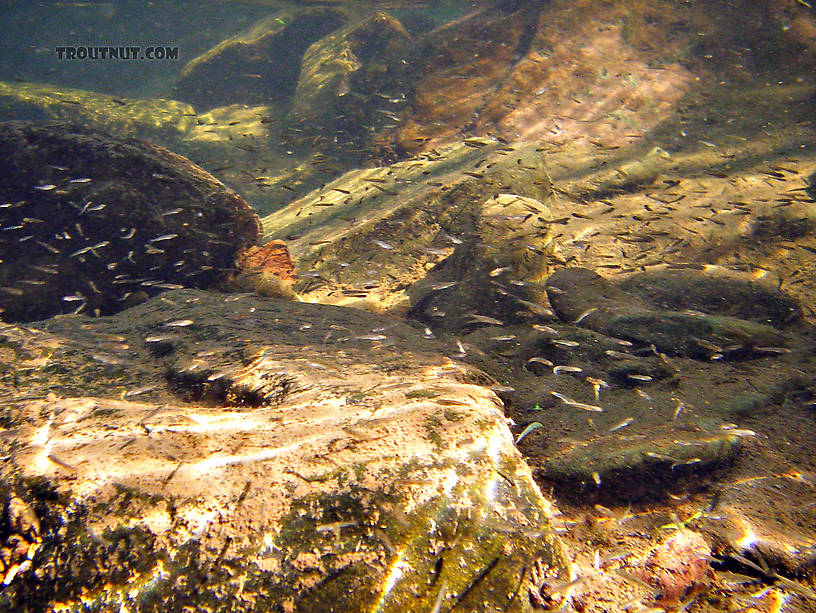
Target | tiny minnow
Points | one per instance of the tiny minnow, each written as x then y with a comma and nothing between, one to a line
622,424
484,319
179,323
557,370
538,360
576,404
370,337
584,314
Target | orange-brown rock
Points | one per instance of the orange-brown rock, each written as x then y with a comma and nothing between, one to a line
271,258
267,270
680,567
569,69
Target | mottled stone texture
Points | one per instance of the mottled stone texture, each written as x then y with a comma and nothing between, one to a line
92,222
247,454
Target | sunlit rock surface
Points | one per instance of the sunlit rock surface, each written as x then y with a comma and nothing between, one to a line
125,117
247,454
348,84
371,233
259,65
92,222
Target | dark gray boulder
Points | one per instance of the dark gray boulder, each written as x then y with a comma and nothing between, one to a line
90,223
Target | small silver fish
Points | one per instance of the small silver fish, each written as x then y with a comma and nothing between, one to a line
80,252
484,319
557,370
538,360
443,285
370,337
578,405
585,314
622,424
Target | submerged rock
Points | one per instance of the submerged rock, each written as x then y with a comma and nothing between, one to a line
92,222
438,223
267,270
154,118
496,269
618,466
234,451
346,80
715,290
259,65
583,297
679,567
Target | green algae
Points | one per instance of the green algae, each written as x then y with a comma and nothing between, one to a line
422,393
145,118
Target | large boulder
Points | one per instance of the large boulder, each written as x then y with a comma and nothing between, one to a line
259,65
440,220
350,83
91,222
248,454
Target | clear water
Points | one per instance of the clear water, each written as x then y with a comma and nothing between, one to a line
669,146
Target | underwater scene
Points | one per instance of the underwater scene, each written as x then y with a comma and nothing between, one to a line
408,306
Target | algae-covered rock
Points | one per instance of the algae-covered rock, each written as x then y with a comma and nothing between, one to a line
582,296
154,118
371,233
92,222
259,65
715,290
346,79
621,467
247,454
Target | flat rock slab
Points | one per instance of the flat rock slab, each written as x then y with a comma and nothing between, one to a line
91,222
232,451
638,465
583,297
